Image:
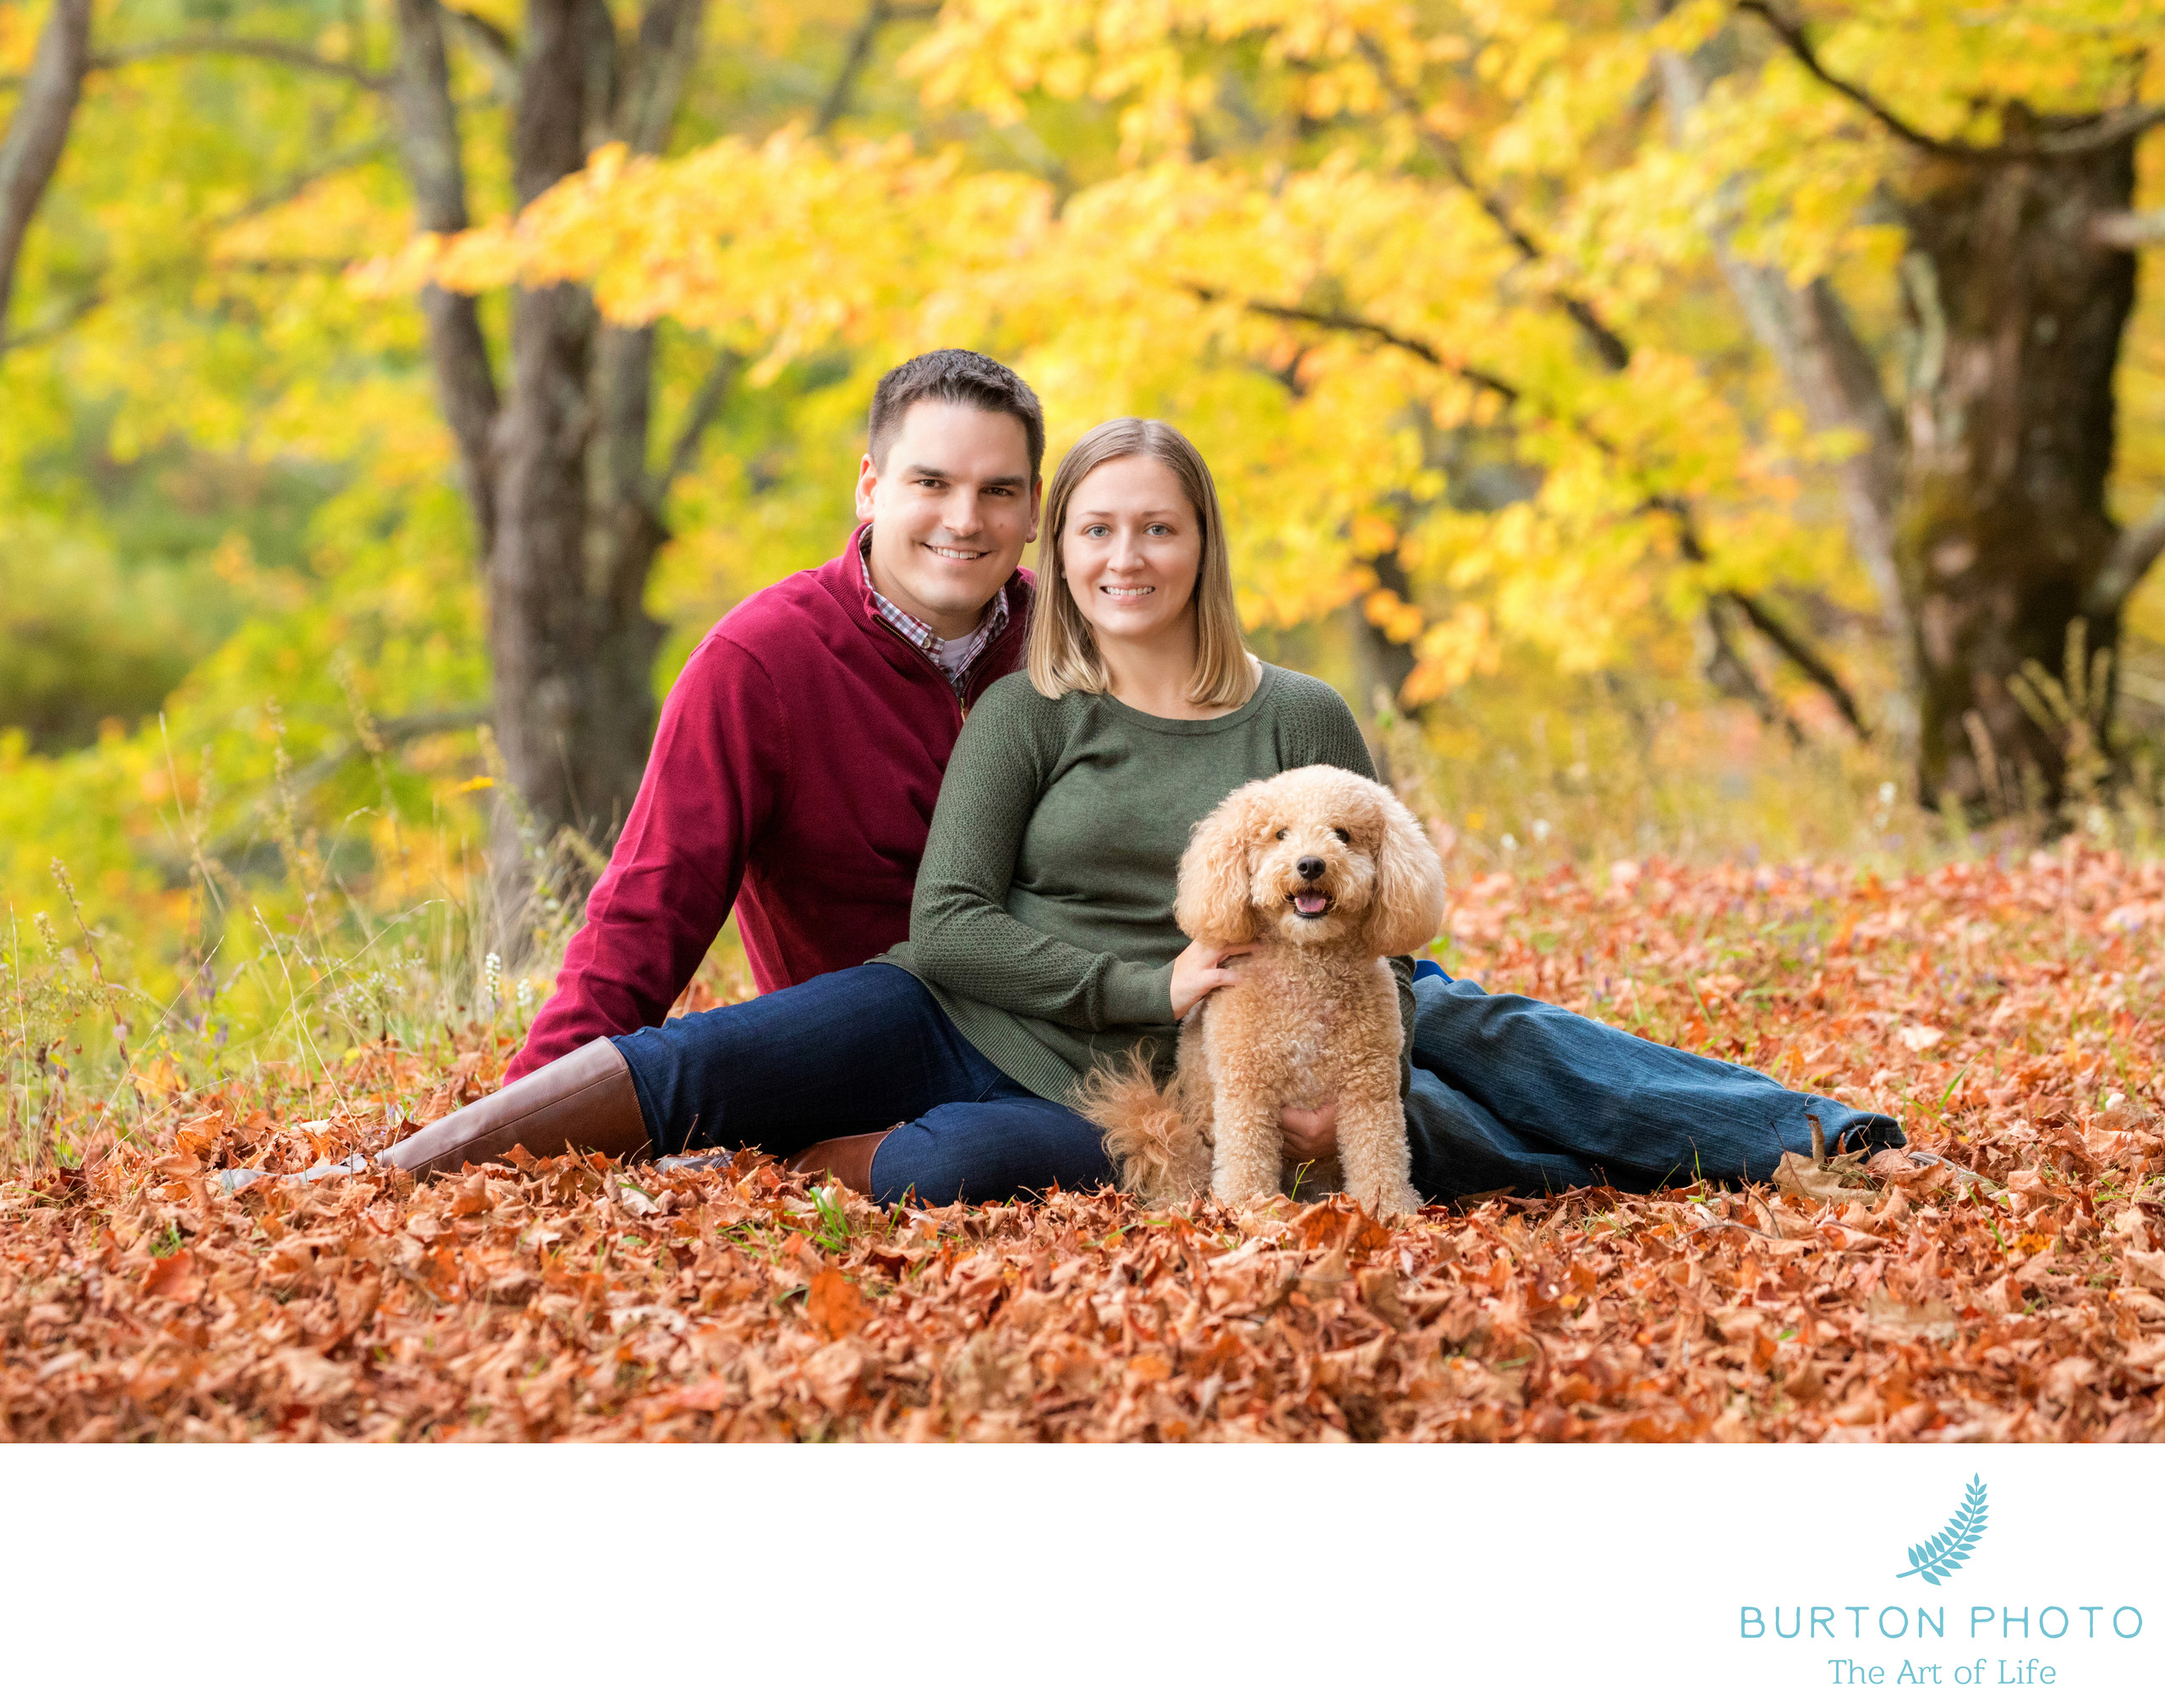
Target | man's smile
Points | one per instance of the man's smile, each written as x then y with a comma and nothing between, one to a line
956,553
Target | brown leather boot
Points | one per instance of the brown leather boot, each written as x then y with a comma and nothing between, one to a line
849,1159
585,1099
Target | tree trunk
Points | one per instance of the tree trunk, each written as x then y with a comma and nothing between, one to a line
2002,536
1980,511
428,147
567,518
30,153
1380,663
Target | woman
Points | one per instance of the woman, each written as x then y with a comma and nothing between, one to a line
1042,935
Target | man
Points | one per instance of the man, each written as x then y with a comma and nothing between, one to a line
800,752
797,760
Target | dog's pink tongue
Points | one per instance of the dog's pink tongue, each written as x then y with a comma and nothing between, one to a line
1310,904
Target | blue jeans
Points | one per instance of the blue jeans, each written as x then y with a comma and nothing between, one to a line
1511,1094
1507,1093
853,1052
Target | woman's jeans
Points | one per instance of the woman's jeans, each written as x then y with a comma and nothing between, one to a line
1507,1094
853,1052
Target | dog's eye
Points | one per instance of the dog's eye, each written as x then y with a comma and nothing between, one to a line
1339,832
1281,836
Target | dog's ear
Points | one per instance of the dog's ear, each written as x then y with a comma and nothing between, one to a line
1407,911
1211,904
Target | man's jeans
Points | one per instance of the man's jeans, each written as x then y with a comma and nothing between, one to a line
854,1051
1511,1094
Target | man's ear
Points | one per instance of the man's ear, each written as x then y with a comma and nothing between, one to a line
1407,911
868,477
1211,904
1037,509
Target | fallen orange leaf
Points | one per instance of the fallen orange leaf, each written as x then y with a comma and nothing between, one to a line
835,1305
169,1276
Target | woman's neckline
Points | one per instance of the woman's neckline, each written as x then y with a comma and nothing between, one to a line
1267,677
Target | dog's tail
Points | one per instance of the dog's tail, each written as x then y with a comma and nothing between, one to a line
1160,1149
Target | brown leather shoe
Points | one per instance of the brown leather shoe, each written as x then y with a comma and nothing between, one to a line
849,1159
583,1099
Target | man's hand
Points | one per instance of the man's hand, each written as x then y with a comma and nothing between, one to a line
1310,1135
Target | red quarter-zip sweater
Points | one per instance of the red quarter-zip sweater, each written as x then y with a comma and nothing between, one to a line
792,777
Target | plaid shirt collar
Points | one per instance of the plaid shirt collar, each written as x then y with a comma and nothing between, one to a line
922,638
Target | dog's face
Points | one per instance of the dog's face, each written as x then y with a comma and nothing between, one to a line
1317,857
1312,860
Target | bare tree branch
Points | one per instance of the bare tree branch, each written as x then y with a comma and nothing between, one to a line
2126,564
495,41
1809,335
2104,131
1369,329
858,53
1847,368
54,324
99,294
706,403
496,50
317,170
2129,230
1614,352
668,44
38,132
1509,391
277,266
1728,669
853,57
240,46
1801,654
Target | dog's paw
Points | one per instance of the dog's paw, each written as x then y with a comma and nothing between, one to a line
1395,1202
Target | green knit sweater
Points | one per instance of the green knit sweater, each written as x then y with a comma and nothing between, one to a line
1043,919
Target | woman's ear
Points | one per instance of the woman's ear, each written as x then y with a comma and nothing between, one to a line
1211,904
1407,911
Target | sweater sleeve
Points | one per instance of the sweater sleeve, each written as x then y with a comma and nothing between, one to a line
715,781
1331,736
961,936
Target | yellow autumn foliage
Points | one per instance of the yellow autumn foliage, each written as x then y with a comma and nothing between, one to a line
1354,248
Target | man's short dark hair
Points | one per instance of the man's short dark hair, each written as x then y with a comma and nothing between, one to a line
956,376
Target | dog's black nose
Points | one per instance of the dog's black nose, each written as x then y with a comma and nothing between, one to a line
1310,869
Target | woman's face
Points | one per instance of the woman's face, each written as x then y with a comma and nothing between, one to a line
1132,545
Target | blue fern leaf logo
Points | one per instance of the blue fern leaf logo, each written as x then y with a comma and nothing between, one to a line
1947,1553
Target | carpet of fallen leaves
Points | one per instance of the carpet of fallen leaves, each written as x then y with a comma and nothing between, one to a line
2000,1279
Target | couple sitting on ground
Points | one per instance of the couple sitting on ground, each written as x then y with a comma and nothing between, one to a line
947,800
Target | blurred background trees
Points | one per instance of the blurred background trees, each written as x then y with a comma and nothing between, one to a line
1669,422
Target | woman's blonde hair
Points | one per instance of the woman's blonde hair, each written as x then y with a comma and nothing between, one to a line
1063,651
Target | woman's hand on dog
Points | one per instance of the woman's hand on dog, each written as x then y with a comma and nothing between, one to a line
1200,969
1309,1136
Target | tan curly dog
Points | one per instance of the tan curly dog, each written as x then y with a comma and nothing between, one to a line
1327,873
